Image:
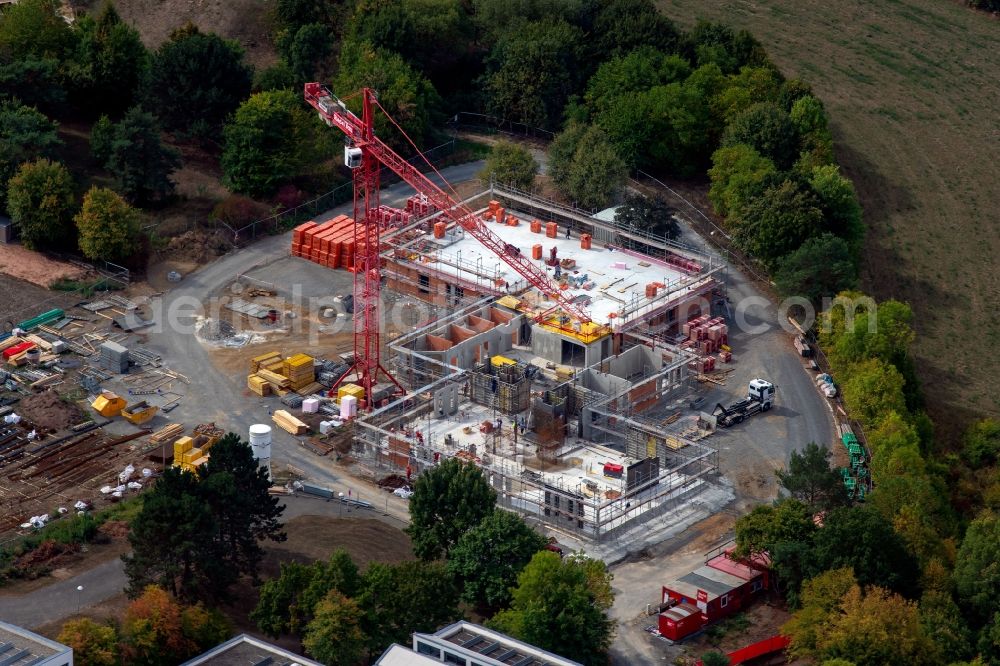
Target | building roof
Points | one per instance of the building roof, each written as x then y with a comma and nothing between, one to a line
680,612
398,655
494,648
735,567
246,650
714,582
20,647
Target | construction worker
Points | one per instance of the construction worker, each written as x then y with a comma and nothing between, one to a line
567,232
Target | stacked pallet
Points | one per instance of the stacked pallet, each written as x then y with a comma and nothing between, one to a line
289,423
114,357
267,361
279,380
328,244
419,205
300,371
187,456
707,335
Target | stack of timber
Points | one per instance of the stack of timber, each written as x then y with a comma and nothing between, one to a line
289,423
300,371
167,433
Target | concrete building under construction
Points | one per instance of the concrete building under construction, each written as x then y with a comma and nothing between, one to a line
586,427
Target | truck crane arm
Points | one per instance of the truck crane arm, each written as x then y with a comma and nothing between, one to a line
335,113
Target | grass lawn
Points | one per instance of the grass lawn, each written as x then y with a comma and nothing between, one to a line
911,87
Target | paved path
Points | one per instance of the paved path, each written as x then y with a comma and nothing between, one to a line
61,599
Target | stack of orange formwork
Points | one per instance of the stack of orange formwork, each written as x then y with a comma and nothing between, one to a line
419,205
707,335
328,244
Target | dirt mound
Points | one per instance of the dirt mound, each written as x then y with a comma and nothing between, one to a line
47,410
197,245
393,481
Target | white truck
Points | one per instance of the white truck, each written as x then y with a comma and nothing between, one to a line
760,398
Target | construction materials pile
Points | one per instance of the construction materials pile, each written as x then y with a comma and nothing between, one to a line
19,350
328,244
272,374
289,423
707,335
187,456
114,357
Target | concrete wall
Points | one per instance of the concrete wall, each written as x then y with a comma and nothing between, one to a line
467,346
549,345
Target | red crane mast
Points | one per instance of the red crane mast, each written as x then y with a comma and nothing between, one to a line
364,153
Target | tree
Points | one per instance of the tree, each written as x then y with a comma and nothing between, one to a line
110,64
35,28
635,72
758,532
152,630
717,43
624,25
821,267
138,159
270,140
531,72
977,567
235,488
403,598
778,222
510,164
809,117
870,629
34,81
810,479
40,199
205,627
305,49
821,597
944,625
406,95
25,135
196,81
334,635
981,443
448,500
172,542
276,77
288,603
290,15
861,538
767,129
739,174
872,391
102,135
562,150
597,174
108,227
650,214
839,203
555,608
487,559
93,644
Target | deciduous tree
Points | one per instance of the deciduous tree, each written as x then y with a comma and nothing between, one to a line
404,93
822,267
944,625
873,390
448,500
624,25
107,226
717,43
778,222
596,174
334,635
810,479
766,128
153,631
510,164
196,81
839,203
531,72
403,598
271,139
977,568
25,135
306,49
35,28
635,72
487,559
40,199
555,608
93,644
33,81
787,520
739,174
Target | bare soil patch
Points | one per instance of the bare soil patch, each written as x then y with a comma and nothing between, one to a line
47,410
910,87
19,262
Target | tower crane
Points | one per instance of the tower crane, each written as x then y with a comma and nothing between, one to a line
363,154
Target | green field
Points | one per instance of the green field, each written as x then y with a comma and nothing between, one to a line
913,94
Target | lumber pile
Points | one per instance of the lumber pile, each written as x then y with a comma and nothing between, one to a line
309,389
274,378
258,385
167,433
299,370
289,423
264,360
